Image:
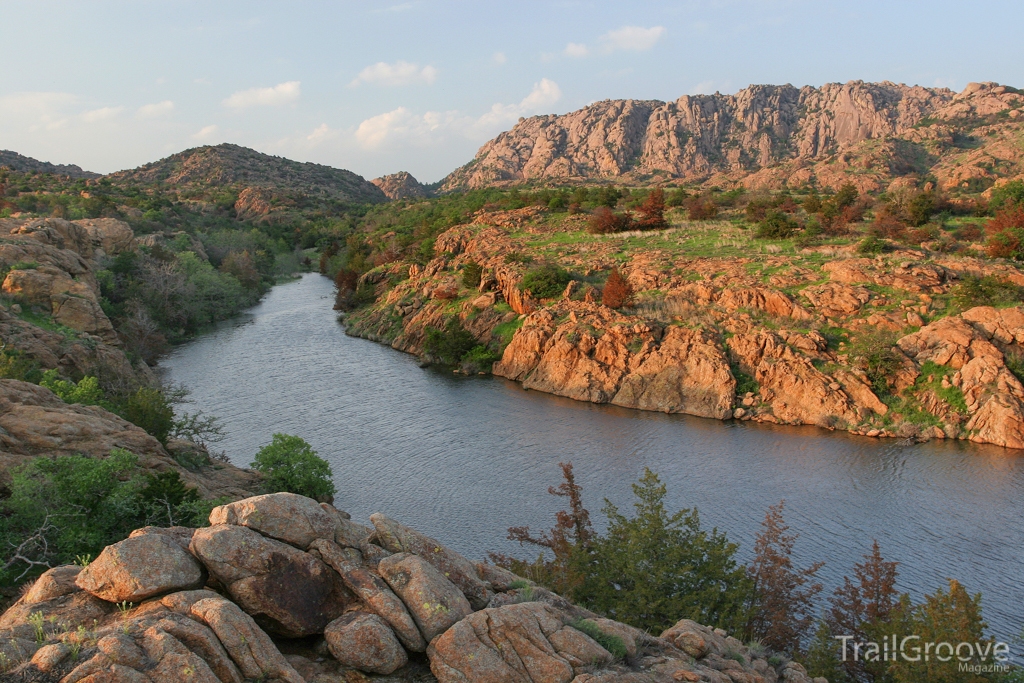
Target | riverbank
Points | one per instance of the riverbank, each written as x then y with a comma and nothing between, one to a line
910,343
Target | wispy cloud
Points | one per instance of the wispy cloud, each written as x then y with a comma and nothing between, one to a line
632,38
627,38
151,111
402,126
499,58
36,110
101,114
576,50
399,73
322,133
282,93
205,134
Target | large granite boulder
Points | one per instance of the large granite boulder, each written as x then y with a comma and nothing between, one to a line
290,592
524,642
399,538
365,641
434,602
288,517
138,568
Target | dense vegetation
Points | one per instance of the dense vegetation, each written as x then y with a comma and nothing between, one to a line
655,567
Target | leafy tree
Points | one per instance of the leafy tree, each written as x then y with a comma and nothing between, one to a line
823,657
812,203
1007,195
569,537
701,208
86,392
921,208
846,196
289,464
782,608
545,281
617,291
449,344
655,568
1006,234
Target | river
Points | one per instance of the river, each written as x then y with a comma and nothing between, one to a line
463,458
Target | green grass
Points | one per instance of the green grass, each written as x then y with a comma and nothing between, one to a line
505,331
613,644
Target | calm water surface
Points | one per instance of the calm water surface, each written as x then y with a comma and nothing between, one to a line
463,458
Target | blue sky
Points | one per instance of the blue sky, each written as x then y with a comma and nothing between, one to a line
420,85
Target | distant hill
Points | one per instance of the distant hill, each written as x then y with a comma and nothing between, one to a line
768,136
232,166
23,164
401,185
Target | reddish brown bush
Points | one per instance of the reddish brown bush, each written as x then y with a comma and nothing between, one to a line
888,226
701,208
652,211
617,292
605,221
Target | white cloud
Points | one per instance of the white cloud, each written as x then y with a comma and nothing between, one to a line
576,50
633,38
541,97
101,114
35,110
282,93
399,73
322,133
206,133
149,111
499,58
403,126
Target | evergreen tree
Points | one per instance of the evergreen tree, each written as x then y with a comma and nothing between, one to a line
782,608
656,568
617,292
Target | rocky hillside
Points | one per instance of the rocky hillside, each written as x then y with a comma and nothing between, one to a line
902,343
24,164
400,185
231,166
768,136
281,588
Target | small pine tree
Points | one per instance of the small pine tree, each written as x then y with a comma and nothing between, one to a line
783,599
654,568
617,291
823,656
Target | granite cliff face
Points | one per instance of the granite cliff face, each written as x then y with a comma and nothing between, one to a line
763,136
225,603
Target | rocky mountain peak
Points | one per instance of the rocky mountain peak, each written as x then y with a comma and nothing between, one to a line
401,185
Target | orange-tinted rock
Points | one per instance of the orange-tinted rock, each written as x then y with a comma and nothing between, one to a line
138,568
364,641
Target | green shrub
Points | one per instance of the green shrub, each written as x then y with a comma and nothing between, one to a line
471,274
875,349
776,225
871,245
479,359
69,507
86,392
289,464
149,408
545,281
16,365
989,290
450,344
612,643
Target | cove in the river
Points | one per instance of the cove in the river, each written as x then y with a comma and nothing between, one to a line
463,458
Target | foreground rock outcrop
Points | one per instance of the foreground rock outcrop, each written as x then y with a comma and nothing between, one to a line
141,613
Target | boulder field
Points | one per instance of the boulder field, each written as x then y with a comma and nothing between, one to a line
759,338
280,588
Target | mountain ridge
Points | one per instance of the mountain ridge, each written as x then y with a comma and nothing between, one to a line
23,164
765,136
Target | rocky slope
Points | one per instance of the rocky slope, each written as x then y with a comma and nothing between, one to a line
769,136
227,602
51,315
24,164
785,339
400,185
233,166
